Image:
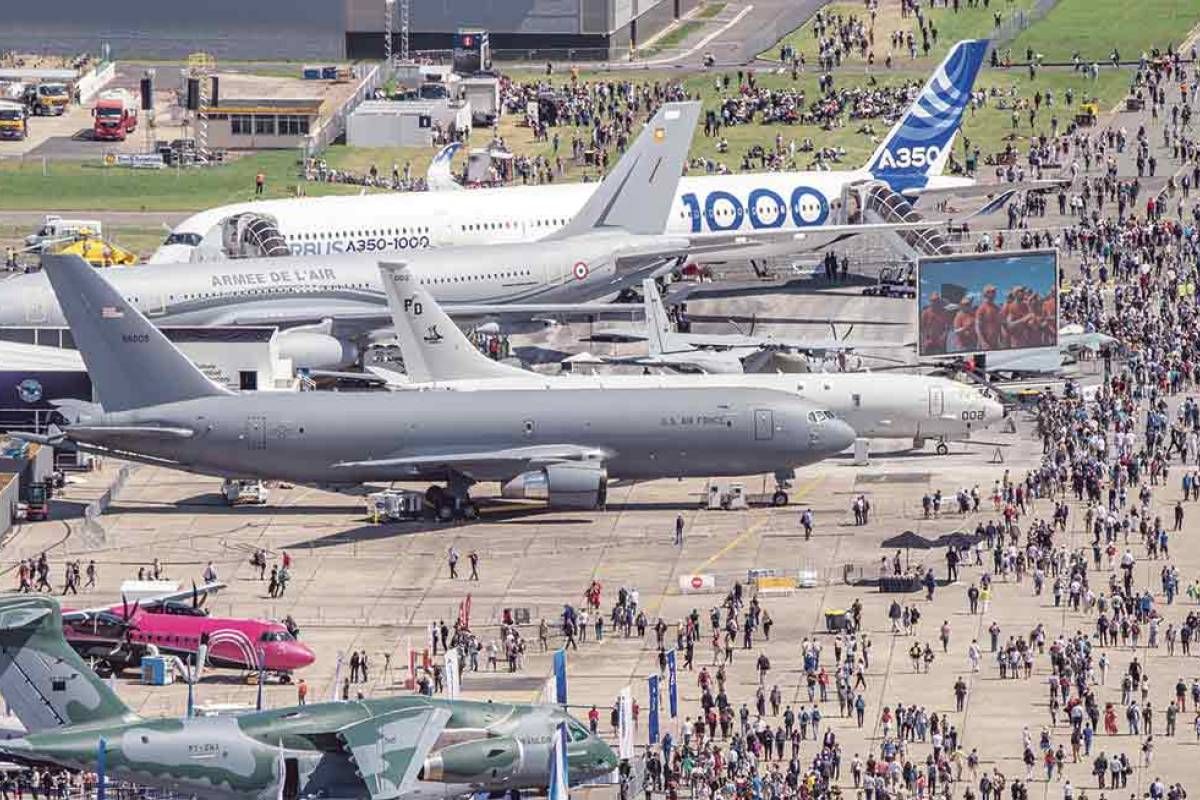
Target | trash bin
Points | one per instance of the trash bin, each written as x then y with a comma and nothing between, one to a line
836,620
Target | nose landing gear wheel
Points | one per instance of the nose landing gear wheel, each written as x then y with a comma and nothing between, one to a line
780,498
942,449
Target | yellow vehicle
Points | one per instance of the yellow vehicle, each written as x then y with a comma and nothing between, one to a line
47,99
98,252
14,121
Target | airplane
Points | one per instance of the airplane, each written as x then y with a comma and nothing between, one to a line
336,302
910,161
717,352
438,356
114,638
412,747
155,406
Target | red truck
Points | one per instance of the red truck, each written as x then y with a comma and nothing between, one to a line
115,116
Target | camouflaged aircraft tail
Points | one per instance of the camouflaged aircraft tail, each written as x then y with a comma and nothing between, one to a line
43,681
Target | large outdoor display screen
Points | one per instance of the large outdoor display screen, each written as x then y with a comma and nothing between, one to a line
983,302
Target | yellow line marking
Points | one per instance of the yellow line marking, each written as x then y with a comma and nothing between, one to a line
753,529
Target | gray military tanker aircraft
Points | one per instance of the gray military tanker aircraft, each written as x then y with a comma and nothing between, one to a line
155,406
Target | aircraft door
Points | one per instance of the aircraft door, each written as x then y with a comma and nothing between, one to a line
291,779
256,433
764,425
157,305
937,403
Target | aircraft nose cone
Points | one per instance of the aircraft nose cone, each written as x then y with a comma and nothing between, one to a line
836,435
301,655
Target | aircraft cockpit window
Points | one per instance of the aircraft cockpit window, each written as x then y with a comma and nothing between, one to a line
275,636
578,732
820,415
189,239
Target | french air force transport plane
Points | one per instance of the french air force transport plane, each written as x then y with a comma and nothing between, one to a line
910,161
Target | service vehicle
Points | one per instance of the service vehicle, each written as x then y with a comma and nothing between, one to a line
115,116
47,99
14,121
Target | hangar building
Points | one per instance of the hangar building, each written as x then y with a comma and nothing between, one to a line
589,29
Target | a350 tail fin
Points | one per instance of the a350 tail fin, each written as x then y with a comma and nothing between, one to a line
130,362
637,195
433,347
658,324
918,145
44,681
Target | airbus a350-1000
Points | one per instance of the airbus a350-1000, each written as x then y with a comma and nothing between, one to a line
910,160
156,406
412,747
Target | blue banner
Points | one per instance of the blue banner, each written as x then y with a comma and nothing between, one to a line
672,689
559,779
101,756
560,677
653,681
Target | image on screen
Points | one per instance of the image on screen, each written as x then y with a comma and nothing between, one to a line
987,301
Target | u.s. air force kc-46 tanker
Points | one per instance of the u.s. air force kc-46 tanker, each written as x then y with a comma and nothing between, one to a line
156,406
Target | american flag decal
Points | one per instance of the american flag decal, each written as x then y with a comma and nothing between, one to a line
111,312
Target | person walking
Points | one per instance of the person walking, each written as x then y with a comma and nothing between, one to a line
473,557
679,530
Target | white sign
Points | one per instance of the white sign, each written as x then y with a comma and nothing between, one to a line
452,675
134,160
692,584
625,723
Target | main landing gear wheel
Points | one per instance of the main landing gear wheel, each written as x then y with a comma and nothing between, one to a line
942,449
780,498
470,511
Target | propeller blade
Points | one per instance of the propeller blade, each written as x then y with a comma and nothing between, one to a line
124,608
849,331
195,596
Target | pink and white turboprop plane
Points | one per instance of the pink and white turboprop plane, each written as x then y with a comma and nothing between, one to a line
115,638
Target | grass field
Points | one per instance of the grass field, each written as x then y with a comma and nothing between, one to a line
968,23
76,185
71,185
1093,27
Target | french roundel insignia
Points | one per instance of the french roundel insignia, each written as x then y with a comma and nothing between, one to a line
581,270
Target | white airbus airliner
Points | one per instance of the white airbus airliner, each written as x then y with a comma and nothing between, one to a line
910,160
437,355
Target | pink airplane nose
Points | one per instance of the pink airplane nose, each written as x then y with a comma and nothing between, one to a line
298,655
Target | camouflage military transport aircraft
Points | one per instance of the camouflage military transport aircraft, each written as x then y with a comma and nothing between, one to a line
411,747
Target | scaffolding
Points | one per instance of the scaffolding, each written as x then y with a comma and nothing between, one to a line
202,67
389,11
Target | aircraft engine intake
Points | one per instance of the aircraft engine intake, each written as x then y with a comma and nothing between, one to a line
561,485
250,235
491,762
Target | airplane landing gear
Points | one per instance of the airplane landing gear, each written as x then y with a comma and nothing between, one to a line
451,502
942,448
783,482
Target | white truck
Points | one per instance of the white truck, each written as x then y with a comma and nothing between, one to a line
56,230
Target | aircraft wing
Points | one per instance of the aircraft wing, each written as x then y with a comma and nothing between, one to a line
153,601
389,749
483,464
183,594
560,311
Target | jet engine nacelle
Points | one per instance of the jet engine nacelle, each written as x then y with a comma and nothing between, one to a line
515,327
561,486
313,350
493,763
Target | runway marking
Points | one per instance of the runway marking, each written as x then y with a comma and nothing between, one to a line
753,529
